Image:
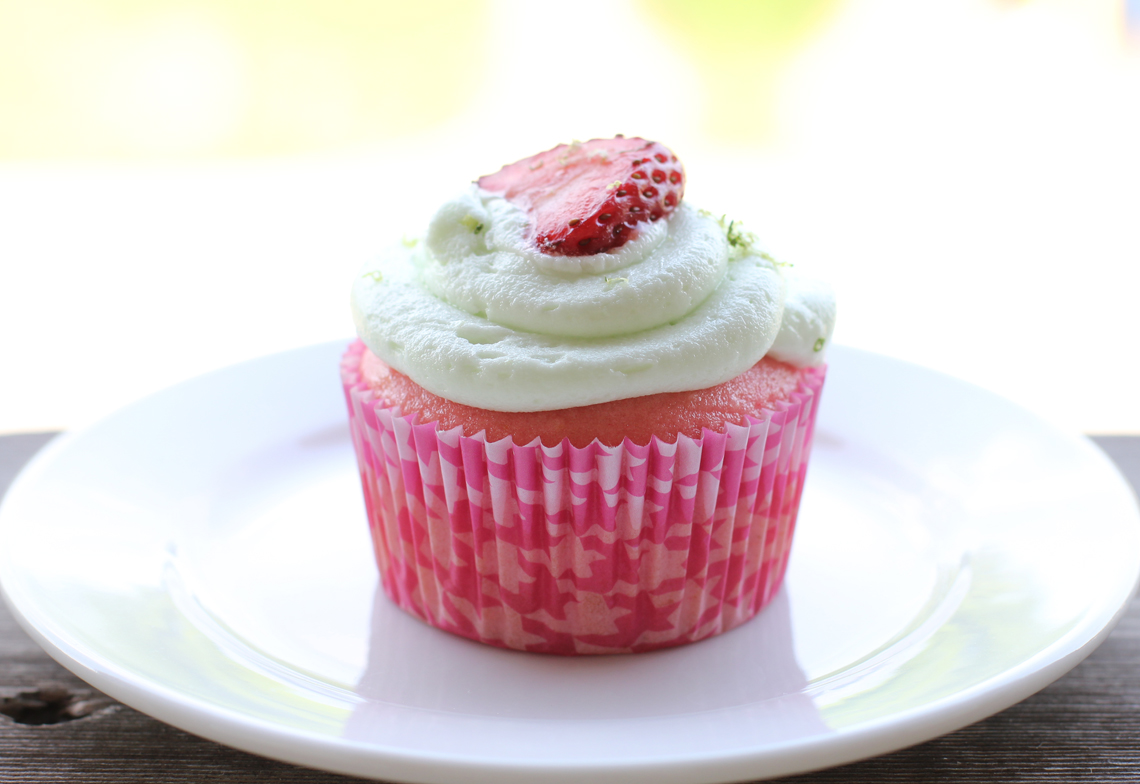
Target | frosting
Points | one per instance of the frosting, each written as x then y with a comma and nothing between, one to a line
807,323
474,313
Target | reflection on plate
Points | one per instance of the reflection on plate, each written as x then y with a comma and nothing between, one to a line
211,566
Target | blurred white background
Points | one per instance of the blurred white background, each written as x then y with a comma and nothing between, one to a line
188,185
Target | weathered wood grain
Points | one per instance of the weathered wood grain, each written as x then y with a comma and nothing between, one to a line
1083,728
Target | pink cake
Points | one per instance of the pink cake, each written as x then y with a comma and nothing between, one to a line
664,415
655,509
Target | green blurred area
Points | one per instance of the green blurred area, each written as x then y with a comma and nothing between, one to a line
734,28
740,49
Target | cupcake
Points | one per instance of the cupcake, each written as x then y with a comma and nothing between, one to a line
582,409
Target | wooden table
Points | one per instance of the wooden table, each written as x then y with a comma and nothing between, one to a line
1083,728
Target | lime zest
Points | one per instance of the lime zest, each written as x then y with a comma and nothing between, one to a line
375,276
818,345
742,243
472,223
737,236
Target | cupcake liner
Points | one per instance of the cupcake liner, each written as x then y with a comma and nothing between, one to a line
581,550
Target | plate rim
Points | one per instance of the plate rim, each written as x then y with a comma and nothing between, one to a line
340,755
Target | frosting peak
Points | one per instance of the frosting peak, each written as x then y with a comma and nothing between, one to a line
477,258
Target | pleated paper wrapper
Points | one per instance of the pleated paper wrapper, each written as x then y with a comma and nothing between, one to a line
573,550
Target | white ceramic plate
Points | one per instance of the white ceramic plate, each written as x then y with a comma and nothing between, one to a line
203,557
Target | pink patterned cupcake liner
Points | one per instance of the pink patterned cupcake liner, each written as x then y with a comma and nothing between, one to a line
581,551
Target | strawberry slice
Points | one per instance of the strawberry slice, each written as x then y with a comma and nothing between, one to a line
589,197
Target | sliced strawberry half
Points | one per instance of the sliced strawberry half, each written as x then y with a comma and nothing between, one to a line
589,197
